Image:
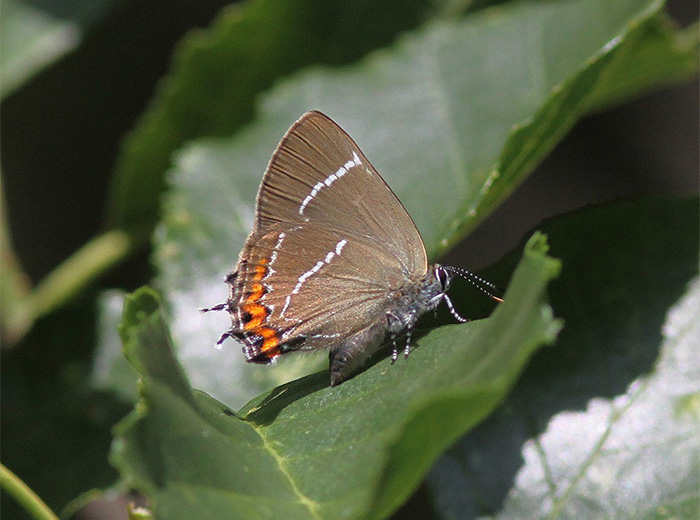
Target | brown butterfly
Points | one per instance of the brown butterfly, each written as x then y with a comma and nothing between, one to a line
334,261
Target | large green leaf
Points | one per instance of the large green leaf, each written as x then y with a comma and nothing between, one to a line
308,450
605,425
454,117
217,73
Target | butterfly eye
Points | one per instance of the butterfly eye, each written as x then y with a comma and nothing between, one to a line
443,276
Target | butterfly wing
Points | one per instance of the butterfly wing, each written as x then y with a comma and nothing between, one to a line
330,247
318,174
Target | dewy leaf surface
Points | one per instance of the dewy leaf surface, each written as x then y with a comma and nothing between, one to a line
454,116
605,425
306,450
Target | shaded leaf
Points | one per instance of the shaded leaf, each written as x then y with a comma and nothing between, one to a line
306,450
58,430
605,425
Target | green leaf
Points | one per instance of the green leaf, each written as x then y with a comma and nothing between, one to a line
307,450
662,52
30,39
521,49
217,73
454,116
605,425
15,309
111,371
626,66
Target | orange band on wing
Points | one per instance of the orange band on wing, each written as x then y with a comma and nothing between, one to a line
269,346
260,270
257,312
256,293
271,341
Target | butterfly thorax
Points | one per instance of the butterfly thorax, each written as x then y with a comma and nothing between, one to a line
414,299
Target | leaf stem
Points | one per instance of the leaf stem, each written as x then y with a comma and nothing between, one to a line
24,495
80,269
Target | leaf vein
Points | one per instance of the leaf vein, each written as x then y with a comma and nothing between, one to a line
310,504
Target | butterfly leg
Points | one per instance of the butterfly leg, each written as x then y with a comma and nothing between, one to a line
395,350
407,348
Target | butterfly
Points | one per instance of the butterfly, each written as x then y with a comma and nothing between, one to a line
334,261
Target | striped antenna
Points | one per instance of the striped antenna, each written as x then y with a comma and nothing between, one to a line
483,285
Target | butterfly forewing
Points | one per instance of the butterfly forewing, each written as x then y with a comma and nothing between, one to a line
318,174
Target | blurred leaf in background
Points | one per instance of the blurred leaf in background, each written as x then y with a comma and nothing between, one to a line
30,39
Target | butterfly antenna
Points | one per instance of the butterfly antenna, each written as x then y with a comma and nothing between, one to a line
483,285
